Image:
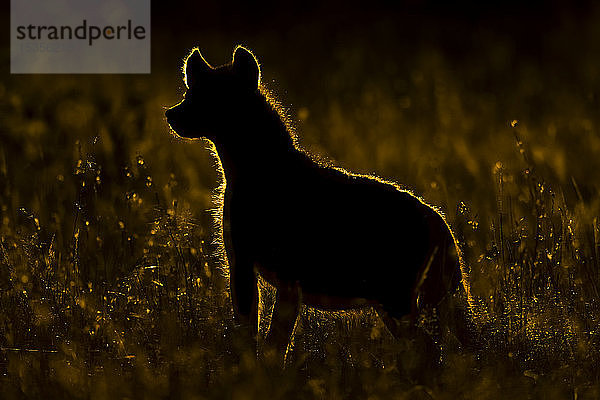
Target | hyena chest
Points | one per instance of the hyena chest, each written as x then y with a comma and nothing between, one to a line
262,226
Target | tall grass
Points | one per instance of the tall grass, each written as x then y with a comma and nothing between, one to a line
534,277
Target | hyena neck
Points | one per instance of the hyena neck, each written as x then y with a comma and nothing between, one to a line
261,144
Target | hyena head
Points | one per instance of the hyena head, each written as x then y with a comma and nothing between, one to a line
216,97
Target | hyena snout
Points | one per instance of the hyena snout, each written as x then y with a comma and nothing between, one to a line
179,121
173,118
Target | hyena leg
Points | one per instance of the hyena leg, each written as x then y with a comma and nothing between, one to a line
396,317
283,322
244,294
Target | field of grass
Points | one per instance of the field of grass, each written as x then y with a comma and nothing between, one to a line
112,286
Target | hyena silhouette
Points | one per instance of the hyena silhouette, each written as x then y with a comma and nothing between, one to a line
322,236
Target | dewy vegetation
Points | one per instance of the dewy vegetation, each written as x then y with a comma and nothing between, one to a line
111,285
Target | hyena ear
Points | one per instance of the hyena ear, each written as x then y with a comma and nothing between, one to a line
195,67
246,68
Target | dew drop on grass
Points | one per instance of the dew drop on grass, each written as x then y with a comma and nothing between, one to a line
303,113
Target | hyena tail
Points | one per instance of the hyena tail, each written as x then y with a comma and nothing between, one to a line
440,299
441,274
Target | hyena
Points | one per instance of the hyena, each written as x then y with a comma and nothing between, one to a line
322,236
